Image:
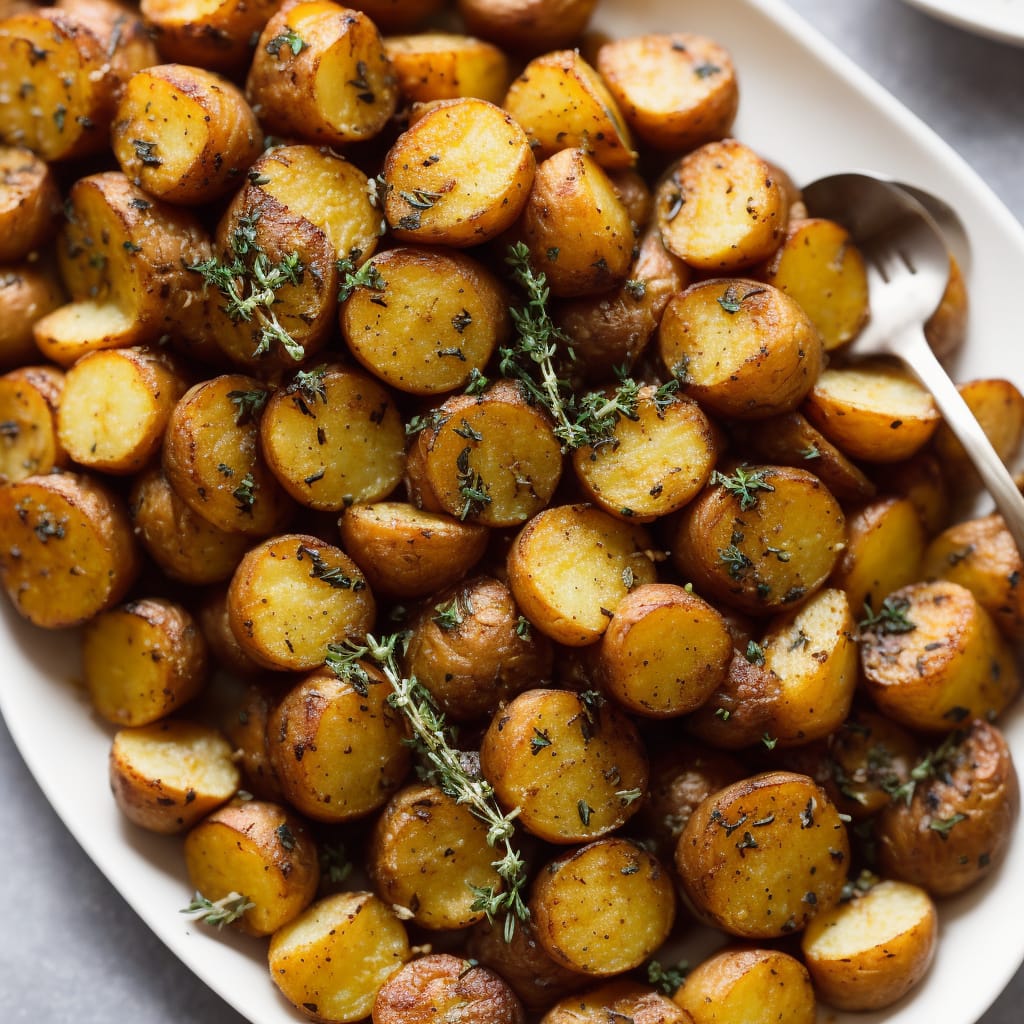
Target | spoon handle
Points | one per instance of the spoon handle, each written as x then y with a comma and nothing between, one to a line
916,353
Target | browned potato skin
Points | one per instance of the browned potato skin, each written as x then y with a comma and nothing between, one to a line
153,629
578,230
529,970
755,887
438,985
710,220
246,729
980,555
426,853
740,984
29,203
468,211
617,1000
283,880
681,778
215,623
77,512
920,479
29,443
951,666
887,966
406,552
286,86
484,658
693,78
168,806
183,544
563,763
27,293
208,106
946,328
980,782
614,329
400,15
358,768
742,349
708,526
531,25
443,66
790,440
603,908
218,38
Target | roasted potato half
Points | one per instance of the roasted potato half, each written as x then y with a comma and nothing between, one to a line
28,292
29,203
530,25
614,1000
445,66
29,442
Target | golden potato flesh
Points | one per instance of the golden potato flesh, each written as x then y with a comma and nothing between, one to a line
28,293
871,951
762,857
604,908
29,444
574,768
445,66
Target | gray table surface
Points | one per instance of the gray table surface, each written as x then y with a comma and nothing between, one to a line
72,951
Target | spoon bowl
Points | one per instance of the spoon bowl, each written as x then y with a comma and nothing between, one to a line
907,261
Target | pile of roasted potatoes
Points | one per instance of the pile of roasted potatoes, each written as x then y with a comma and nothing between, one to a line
488,556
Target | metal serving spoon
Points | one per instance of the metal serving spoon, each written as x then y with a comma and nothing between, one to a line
907,262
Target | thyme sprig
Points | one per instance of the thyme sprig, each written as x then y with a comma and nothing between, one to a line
743,485
250,282
890,618
218,912
443,765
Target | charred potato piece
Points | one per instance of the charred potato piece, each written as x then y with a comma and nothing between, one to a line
653,462
491,458
818,265
28,292
184,545
561,103
459,176
884,546
721,209
169,775
294,594
664,652
760,858
677,91
956,827
142,661
473,651
261,851
439,985
531,25
214,34
405,552
980,555
575,769
530,972
570,568
29,203
615,1000
212,460
337,753
66,548
742,349
868,953
604,908
427,855
29,443
425,320
115,407
578,231
790,440
873,410
332,437
445,66
332,959
748,985
761,538
612,330
932,657
320,74
184,134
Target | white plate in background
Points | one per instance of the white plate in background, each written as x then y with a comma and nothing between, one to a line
997,19
807,108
